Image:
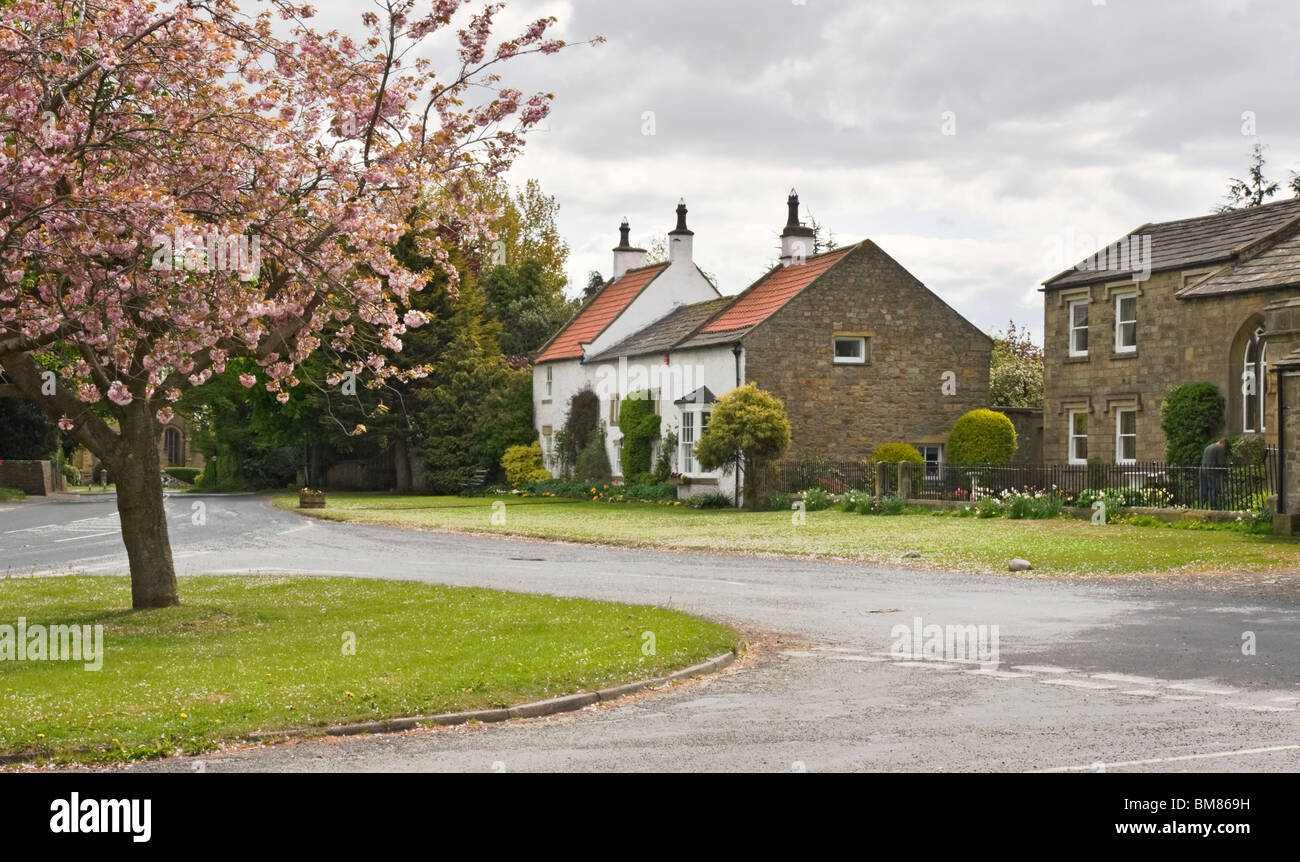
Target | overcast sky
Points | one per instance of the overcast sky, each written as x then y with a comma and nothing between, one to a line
1075,121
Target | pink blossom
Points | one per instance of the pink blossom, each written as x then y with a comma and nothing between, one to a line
119,394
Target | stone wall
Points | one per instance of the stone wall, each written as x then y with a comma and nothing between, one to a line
34,478
842,412
1178,341
1029,433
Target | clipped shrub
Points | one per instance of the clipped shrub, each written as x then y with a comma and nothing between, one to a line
523,464
640,426
184,474
982,437
72,474
1190,415
816,499
891,504
895,453
710,501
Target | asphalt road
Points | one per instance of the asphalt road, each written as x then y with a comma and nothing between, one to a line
1115,674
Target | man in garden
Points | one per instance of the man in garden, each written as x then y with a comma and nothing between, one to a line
1214,463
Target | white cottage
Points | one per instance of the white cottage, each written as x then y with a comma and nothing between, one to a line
622,340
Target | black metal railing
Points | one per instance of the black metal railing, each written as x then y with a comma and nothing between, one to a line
1237,487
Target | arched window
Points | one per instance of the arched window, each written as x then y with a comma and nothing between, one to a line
172,447
1254,378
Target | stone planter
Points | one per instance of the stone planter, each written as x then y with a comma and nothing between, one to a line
309,499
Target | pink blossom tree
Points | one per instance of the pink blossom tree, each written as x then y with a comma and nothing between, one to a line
184,182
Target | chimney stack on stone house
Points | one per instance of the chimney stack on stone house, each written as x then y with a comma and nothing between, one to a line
681,239
625,255
796,240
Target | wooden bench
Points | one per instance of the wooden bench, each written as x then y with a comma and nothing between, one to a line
473,486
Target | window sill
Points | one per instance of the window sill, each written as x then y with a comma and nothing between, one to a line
1081,358
846,362
1123,354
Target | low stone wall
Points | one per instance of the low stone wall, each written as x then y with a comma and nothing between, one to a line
33,478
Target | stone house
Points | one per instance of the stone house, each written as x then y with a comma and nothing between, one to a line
1171,303
175,449
859,351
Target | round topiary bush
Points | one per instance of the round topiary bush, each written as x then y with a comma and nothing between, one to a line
523,464
982,437
895,453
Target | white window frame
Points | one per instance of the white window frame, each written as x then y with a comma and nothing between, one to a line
1070,436
1259,370
1120,412
618,457
860,359
695,420
1073,327
1120,347
550,369
933,469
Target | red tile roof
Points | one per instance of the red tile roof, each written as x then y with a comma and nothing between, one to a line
771,292
592,319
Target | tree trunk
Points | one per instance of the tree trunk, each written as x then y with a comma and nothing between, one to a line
140,506
402,463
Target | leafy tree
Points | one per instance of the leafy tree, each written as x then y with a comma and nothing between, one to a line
1251,192
748,428
325,165
581,423
1190,415
592,463
640,426
982,437
522,270
595,281
1015,369
25,432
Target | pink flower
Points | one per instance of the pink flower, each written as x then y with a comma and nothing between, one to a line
165,416
65,424
248,381
118,394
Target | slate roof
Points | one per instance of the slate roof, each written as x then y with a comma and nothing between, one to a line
703,395
667,331
1189,242
599,312
1275,266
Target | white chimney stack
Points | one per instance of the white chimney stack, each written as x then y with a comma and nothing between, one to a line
625,256
796,240
680,239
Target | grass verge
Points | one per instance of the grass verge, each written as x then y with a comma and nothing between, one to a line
264,653
1062,546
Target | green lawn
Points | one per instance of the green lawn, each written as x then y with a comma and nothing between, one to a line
1063,546
262,653
11,494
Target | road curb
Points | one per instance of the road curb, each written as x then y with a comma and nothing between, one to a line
537,709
